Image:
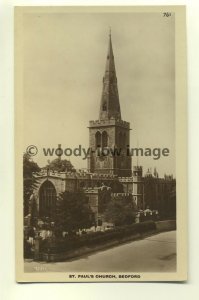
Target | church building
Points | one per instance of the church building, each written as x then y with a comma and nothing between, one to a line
111,171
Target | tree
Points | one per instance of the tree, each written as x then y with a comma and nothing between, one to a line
120,211
60,165
29,181
104,199
72,213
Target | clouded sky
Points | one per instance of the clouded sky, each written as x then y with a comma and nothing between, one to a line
64,62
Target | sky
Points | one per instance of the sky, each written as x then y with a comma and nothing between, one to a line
64,56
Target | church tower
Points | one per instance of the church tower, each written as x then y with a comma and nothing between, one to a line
109,136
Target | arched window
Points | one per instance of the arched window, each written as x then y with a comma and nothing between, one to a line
98,139
47,199
104,139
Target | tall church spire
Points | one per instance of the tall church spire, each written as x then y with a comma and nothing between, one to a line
109,130
110,105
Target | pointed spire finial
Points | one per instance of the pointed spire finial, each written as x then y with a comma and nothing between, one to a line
137,155
110,106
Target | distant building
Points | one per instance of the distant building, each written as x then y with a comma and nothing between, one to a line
160,194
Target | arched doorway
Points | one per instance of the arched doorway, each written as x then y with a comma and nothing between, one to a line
47,199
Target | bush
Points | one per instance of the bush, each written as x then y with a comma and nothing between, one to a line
27,250
144,226
59,245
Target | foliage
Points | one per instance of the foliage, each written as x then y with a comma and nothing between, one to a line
119,187
120,211
27,249
58,245
29,181
104,199
72,213
60,165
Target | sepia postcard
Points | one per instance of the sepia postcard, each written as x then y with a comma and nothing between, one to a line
100,144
